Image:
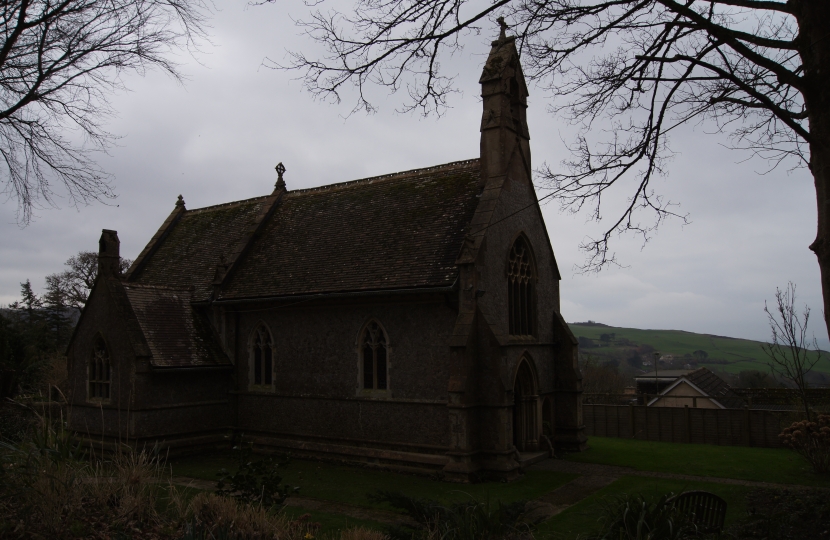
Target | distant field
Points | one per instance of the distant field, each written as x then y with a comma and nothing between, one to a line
742,354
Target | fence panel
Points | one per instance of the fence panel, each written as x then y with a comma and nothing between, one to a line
729,427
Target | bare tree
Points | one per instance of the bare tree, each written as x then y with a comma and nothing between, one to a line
75,283
59,62
628,72
790,354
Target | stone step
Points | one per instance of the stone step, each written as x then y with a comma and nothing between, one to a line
527,459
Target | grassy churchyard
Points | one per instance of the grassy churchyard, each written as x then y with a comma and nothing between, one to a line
716,467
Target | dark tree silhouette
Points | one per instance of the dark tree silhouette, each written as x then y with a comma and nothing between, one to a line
59,62
75,283
634,70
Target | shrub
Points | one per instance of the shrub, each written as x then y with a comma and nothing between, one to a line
49,487
469,520
212,516
255,481
811,440
634,517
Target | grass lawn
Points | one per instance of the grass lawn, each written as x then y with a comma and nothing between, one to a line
581,518
758,464
351,484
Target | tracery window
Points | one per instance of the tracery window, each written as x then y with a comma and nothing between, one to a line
521,278
263,357
375,351
100,371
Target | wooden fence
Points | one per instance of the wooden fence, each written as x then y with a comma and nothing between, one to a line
729,427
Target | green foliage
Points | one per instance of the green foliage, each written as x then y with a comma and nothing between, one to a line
256,481
635,517
468,520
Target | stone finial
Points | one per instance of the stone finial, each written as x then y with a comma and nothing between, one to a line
503,25
280,168
180,201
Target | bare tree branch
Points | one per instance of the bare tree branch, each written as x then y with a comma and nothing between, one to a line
790,354
59,63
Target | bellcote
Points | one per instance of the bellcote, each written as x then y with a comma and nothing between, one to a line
503,88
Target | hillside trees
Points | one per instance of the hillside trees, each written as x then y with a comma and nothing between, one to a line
59,62
627,72
36,329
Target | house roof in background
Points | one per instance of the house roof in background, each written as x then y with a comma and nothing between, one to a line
663,374
709,385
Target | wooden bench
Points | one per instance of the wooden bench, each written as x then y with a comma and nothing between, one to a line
706,510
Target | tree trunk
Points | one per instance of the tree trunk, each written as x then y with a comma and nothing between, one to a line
814,48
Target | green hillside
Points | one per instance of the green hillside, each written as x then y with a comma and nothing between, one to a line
729,354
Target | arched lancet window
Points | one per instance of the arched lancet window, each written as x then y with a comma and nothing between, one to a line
521,279
100,371
375,352
263,357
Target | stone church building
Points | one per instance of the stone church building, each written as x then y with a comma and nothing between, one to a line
408,321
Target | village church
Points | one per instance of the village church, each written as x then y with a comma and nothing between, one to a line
409,321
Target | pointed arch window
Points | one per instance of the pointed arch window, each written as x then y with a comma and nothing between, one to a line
521,281
375,355
262,357
100,371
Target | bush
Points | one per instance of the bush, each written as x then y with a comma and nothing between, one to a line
211,516
469,520
811,440
634,517
255,481
51,488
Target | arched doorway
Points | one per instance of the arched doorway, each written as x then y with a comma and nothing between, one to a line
525,409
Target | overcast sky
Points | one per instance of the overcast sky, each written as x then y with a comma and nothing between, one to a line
218,137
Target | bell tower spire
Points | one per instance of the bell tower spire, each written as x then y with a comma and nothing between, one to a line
504,132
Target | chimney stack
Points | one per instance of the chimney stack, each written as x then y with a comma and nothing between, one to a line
109,254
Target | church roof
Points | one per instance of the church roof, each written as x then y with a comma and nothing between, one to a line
176,333
398,231
187,256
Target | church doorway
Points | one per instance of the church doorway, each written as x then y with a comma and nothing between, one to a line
525,409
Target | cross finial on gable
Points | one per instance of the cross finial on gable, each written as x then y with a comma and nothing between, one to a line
503,33
180,201
280,168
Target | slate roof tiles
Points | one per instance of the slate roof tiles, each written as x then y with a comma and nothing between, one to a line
177,333
188,255
392,232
